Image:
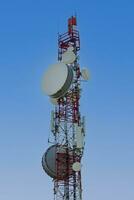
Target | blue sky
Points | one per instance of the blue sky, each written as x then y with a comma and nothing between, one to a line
28,44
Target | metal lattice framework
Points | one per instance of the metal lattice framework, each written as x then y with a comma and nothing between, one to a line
65,118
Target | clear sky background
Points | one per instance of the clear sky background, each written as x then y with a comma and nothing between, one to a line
28,44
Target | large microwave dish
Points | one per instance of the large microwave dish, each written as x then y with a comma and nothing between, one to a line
61,154
57,80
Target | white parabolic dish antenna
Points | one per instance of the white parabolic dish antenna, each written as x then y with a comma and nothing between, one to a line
76,166
68,57
57,80
49,162
85,74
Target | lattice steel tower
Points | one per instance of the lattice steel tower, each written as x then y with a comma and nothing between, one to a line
62,83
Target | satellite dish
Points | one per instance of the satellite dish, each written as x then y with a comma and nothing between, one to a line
49,162
85,74
76,166
53,101
68,57
57,80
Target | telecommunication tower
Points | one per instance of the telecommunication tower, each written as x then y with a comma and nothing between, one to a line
62,83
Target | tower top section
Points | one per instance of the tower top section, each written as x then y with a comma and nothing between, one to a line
72,23
70,38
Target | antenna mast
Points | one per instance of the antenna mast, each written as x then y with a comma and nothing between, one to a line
62,161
